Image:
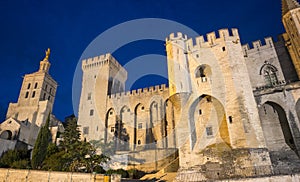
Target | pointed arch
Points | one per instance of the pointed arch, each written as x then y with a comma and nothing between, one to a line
7,135
154,111
110,121
275,125
203,71
140,125
152,135
125,114
126,129
168,129
208,124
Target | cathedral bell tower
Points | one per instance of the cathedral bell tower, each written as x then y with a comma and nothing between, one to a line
291,22
36,96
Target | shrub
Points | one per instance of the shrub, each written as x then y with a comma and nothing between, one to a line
21,164
135,174
99,170
124,173
11,157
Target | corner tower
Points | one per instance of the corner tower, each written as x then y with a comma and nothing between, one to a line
178,68
102,76
291,22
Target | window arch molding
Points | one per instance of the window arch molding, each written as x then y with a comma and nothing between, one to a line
202,71
269,72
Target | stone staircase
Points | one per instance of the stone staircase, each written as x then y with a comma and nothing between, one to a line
167,173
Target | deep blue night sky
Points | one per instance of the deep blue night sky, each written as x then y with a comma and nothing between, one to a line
29,27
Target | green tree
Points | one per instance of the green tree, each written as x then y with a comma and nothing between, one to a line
55,162
15,159
71,146
71,136
93,159
40,147
73,154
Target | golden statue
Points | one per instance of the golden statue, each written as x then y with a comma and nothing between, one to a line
47,54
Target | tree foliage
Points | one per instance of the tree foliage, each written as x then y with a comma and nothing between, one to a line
71,135
73,154
41,145
15,159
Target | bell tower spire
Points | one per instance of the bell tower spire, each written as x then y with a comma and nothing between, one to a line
45,64
291,22
288,5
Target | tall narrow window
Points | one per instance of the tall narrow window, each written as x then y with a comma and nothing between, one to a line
85,130
230,119
26,95
91,112
28,86
50,91
33,94
200,111
209,131
140,126
89,96
44,97
35,85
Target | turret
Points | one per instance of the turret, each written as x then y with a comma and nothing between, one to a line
178,71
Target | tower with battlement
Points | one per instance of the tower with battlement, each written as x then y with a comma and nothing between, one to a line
102,76
179,80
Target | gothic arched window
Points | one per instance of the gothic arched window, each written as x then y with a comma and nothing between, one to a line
270,74
203,72
200,72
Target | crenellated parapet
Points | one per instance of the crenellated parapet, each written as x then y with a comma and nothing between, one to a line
148,90
258,46
99,61
177,36
214,38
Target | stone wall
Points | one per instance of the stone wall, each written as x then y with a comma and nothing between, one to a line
197,177
8,175
6,145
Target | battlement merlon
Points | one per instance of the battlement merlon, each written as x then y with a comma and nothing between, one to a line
152,89
208,40
99,61
178,36
258,46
